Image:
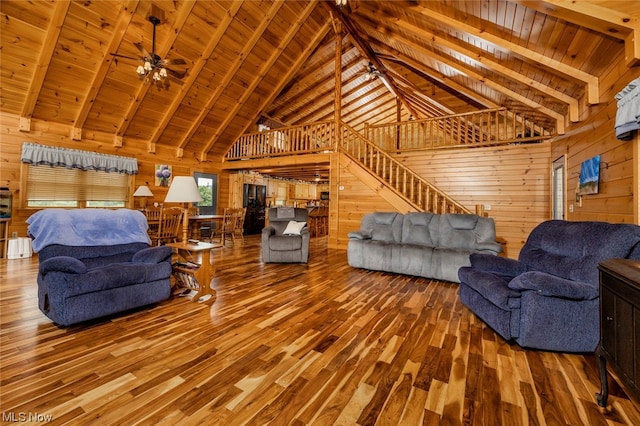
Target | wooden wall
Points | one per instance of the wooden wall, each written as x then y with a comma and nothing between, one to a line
617,200
59,135
513,182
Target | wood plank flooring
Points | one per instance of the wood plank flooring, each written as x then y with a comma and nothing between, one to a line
316,344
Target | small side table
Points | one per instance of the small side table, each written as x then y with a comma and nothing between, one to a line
193,270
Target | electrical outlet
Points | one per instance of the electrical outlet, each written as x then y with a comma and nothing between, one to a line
570,208
487,207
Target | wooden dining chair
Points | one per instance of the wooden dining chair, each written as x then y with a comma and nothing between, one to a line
228,225
241,212
153,220
169,227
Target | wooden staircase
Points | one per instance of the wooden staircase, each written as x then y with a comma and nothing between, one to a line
401,182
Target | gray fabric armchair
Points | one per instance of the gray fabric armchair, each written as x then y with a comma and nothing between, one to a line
280,247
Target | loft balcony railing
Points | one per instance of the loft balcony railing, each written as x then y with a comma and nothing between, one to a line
303,139
421,194
482,128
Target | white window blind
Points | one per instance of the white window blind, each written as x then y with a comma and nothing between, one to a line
72,178
47,185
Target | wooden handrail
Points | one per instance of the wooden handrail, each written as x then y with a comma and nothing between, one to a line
481,128
290,140
421,194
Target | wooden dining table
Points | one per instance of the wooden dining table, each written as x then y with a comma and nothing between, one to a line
197,219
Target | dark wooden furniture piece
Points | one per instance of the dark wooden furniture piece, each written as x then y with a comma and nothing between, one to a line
619,326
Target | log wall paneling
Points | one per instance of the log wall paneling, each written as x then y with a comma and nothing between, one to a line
618,186
52,134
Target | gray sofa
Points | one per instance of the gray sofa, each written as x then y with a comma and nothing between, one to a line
422,244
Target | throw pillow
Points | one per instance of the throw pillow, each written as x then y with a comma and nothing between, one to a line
294,228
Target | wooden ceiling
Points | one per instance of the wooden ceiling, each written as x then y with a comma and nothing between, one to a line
274,62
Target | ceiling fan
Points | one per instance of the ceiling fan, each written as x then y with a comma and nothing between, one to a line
370,72
153,66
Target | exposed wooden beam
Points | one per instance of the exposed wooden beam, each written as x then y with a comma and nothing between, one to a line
163,50
437,76
593,85
438,43
229,75
125,16
264,69
597,17
366,51
195,71
44,57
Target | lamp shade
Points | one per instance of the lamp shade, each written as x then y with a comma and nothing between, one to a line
183,189
143,191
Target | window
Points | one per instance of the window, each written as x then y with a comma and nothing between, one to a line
58,177
208,187
61,187
558,188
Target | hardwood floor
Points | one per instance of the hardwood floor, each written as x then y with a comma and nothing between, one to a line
318,344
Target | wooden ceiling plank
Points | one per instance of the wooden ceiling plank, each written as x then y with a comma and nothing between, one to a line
444,80
44,57
195,71
181,17
285,78
125,16
291,33
438,42
230,74
593,85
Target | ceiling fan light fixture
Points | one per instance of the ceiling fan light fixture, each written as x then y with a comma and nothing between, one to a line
341,3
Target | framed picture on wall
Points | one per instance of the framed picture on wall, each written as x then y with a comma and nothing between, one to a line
589,176
163,175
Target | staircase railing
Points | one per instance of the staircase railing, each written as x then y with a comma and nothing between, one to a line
481,128
291,140
421,194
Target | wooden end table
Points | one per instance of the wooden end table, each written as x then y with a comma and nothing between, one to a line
193,270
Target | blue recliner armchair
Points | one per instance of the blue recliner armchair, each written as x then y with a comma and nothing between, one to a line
96,262
549,298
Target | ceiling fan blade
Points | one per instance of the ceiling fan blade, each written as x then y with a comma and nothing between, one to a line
143,51
167,62
125,57
176,74
177,61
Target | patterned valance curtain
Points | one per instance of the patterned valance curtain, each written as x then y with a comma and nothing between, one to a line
36,154
628,114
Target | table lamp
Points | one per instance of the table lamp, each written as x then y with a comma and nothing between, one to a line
143,192
183,189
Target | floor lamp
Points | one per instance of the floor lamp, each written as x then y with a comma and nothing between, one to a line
183,189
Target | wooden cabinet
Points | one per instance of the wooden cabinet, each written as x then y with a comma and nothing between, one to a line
282,191
619,325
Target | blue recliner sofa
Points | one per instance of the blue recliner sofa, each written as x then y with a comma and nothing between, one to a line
96,262
549,298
